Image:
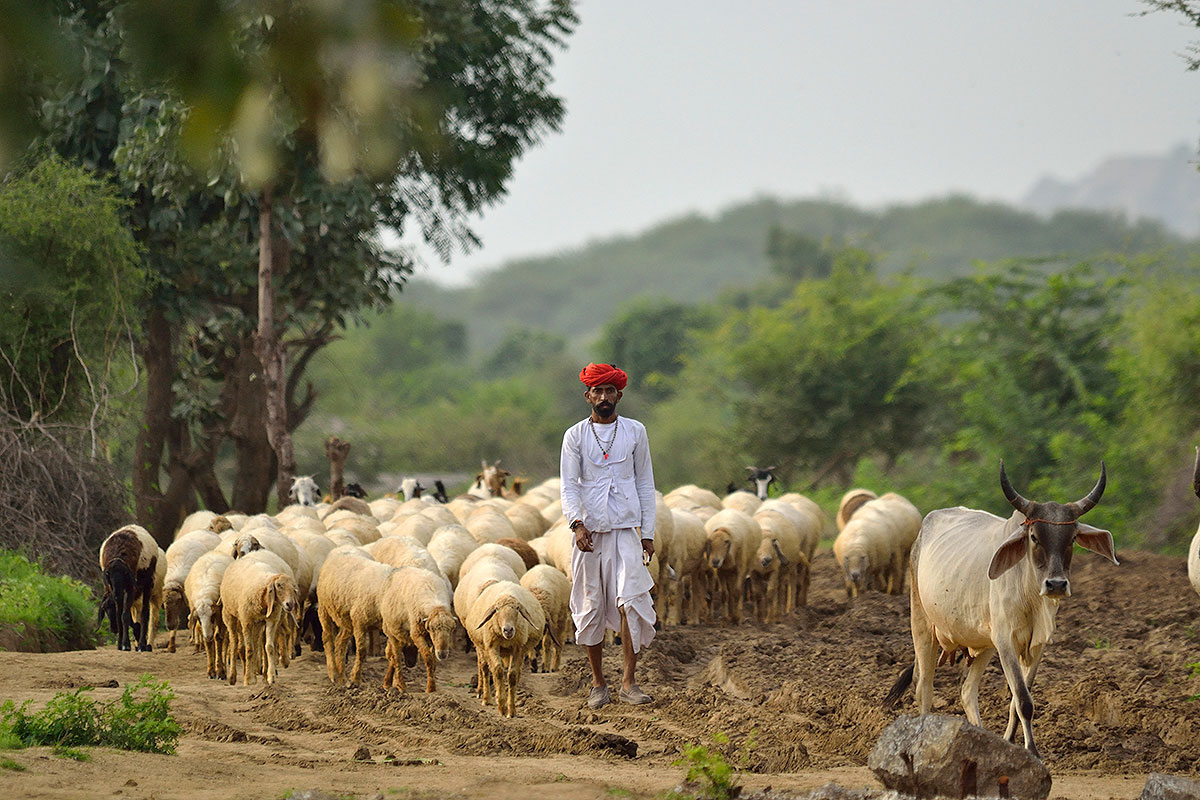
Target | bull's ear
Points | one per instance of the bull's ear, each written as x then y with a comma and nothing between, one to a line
1008,555
1097,540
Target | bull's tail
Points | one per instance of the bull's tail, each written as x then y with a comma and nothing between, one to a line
899,687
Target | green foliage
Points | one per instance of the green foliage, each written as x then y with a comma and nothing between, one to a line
797,257
828,377
70,276
648,340
46,612
139,719
9,764
708,771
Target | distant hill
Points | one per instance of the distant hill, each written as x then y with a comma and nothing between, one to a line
1165,188
693,258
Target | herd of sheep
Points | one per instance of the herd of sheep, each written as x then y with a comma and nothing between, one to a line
404,576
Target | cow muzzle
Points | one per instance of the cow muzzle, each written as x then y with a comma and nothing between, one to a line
1056,587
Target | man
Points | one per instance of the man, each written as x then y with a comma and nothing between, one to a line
607,496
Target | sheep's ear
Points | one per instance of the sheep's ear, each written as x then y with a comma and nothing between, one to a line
553,637
782,558
487,619
270,596
521,610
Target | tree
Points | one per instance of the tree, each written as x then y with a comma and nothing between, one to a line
828,377
484,72
796,256
648,339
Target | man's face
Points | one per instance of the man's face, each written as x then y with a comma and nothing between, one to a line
603,399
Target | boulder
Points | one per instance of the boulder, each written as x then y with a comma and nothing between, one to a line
1169,787
938,755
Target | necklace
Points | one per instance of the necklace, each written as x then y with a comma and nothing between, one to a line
611,441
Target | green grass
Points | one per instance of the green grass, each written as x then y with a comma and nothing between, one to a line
8,763
45,611
140,719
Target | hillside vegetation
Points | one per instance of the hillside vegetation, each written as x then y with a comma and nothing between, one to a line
907,350
694,258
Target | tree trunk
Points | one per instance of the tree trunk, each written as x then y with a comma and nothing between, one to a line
254,459
337,450
272,356
160,509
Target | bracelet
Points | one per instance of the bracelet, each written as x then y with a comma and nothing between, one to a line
575,524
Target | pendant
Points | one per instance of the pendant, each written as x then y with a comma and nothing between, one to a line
606,456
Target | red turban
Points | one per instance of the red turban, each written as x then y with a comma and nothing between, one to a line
600,374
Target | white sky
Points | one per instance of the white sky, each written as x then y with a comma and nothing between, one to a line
694,105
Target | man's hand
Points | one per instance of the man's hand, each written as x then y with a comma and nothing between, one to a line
583,538
648,550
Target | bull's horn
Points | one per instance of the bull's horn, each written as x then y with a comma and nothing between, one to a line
1014,499
1088,503
1196,474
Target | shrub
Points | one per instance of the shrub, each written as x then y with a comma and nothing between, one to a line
133,721
43,612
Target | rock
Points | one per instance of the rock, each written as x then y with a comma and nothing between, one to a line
1169,787
362,754
936,754
833,791
311,794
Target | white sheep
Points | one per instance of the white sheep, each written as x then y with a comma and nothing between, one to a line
489,525
777,565
416,611
493,550
689,548
874,546
733,540
450,546
304,491
811,524
693,493
417,526
527,521
258,602
196,521
560,541
181,555
553,593
472,584
402,551
364,527
746,502
505,622
439,514
202,588
850,503
384,508
348,592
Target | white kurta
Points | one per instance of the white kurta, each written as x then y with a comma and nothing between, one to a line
614,497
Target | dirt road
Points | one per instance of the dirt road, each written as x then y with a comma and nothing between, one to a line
799,701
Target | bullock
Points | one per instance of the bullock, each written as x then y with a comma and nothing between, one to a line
1193,562
761,478
983,585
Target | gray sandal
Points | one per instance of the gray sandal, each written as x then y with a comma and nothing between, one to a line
634,696
599,697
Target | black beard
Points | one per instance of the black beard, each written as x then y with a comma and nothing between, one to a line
604,410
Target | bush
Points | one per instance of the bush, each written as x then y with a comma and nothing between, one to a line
75,719
40,612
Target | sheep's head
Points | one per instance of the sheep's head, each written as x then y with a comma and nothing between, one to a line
304,490
857,565
769,554
281,595
720,547
175,603
202,615
244,545
506,615
220,524
440,625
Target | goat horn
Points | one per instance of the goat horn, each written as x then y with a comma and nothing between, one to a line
1011,494
1085,505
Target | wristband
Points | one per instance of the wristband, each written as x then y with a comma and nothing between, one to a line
575,524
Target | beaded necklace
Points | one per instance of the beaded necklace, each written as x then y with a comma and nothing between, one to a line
599,443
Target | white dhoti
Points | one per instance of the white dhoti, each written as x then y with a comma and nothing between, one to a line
608,580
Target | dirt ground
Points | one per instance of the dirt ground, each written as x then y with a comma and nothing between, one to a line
799,701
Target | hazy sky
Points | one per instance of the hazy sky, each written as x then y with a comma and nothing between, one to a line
677,106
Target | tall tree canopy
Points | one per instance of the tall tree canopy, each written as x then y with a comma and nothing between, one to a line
296,185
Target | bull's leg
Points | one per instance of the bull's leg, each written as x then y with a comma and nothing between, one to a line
1035,657
1021,697
924,649
970,686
